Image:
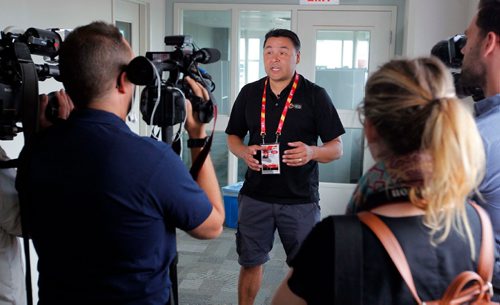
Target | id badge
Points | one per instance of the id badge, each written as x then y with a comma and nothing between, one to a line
270,159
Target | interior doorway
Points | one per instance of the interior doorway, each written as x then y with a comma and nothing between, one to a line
130,17
340,48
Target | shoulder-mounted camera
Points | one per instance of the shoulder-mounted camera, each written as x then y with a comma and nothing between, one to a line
163,98
449,52
19,77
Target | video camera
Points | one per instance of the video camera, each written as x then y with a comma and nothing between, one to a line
449,52
19,77
169,108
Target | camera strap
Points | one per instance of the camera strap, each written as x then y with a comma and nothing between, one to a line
9,163
202,156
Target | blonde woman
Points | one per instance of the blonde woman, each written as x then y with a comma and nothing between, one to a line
429,158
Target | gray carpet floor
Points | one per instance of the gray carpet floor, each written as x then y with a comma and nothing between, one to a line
208,270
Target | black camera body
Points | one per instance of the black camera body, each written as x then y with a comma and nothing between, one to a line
19,77
169,108
449,52
168,111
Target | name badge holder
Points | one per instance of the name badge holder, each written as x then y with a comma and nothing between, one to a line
270,153
270,158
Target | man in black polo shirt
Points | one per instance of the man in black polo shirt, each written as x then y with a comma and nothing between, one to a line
284,115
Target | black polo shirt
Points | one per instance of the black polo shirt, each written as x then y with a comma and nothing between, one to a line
311,116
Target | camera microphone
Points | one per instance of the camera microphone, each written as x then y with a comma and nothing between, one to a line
206,55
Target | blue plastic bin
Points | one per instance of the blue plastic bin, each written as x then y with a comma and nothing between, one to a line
230,193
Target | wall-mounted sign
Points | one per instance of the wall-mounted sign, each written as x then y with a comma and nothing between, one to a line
319,2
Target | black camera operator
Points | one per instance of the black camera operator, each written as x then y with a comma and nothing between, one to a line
20,103
104,203
481,67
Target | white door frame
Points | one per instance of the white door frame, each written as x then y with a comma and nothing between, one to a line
143,33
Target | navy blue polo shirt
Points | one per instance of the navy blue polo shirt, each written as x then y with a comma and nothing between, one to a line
312,116
103,206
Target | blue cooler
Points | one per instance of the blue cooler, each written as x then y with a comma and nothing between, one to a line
230,193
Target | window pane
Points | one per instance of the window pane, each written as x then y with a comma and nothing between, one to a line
347,54
342,77
349,167
254,49
328,54
218,153
242,166
211,29
253,27
242,61
363,49
242,50
253,71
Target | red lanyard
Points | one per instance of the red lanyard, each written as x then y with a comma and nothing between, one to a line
283,114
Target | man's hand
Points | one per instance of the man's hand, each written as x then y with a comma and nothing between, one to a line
194,127
248,156
246,153
299,155
65,106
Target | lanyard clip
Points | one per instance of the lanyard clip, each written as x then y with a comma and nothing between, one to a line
278,134
263,135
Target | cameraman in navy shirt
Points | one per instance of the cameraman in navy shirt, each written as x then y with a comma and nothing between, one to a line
103,203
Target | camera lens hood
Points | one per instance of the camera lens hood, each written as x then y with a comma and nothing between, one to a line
141,71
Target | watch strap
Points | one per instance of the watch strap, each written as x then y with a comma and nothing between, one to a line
192,143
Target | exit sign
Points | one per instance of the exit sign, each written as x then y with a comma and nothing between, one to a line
319,2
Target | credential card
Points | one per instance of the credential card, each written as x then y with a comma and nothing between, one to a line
270,159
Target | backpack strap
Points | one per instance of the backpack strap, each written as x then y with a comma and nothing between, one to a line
348,275
393,248
486,253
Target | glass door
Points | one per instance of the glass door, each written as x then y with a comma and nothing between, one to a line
345,46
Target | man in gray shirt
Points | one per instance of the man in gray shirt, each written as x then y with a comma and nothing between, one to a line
481,68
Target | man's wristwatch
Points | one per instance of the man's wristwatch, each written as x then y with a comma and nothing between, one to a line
191,143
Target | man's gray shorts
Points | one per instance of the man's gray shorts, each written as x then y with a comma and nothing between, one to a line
257,222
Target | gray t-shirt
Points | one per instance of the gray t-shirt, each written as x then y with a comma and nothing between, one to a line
487,112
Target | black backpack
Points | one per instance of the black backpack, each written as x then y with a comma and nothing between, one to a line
468,287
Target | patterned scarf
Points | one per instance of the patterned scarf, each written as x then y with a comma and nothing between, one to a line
390,179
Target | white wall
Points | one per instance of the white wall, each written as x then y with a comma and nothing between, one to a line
429,21
68,14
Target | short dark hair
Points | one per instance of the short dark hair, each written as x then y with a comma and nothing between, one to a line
90,60
284,33
488,16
